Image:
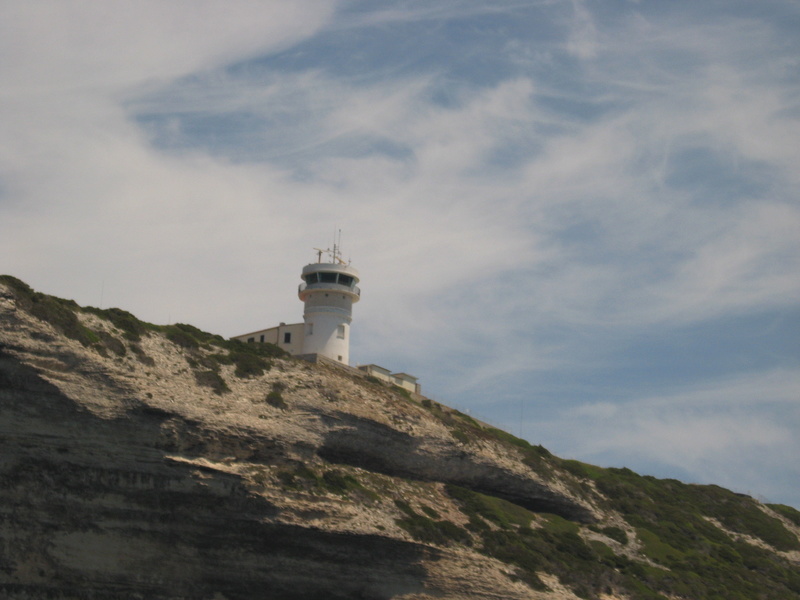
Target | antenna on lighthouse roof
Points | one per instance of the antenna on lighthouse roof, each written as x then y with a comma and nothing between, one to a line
336,253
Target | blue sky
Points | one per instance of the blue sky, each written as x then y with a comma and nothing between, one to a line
577,220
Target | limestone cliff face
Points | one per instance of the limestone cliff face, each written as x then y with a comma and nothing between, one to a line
143,463
122,475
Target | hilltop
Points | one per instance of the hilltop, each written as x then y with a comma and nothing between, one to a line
164,462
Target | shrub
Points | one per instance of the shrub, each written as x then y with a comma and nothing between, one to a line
275,398
461,436
200,336
616,533
182,338
248,365
133,329
340,483
213,380
429,511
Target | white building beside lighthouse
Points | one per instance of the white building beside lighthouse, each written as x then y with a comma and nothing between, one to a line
328,293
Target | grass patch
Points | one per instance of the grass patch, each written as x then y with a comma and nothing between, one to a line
133,329
616,533
502,513
787,511
333,481
431,530
461,436
60,313
657,550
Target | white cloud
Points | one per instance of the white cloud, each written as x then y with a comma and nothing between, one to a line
582,40
721,431
59,46
546,209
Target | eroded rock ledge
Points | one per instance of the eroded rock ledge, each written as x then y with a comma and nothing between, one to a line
122,477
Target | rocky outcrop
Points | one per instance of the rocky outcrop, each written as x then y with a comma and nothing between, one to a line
122,477
162,462
377,447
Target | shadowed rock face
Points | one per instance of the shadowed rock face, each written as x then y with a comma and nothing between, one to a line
377,447
94,508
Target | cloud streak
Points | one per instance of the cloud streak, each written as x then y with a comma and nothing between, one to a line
545,200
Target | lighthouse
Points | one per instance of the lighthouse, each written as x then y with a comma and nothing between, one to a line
328,293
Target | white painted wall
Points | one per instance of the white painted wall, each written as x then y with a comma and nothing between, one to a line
327,333
277,336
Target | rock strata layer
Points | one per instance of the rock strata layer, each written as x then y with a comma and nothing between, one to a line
162,462
124,477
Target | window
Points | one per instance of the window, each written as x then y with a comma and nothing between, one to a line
261,338
251,340
287,337
309,328
312,278
340,332
327,277
345,280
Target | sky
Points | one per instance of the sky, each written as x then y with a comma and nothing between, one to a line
576,220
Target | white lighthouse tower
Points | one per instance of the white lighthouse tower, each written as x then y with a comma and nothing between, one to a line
328,292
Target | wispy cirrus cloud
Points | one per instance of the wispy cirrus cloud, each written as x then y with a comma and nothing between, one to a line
560,200
728,431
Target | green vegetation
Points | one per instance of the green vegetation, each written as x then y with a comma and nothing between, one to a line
671,519
275,397
461,436
300,477
787,511
430,530
616,533
699,560
580,469
659,504
133,329
555,545
247,364
481,509
250,360
213,380
59,313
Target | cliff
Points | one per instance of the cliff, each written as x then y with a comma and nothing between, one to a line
143,461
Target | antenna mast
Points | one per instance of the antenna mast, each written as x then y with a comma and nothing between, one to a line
336,253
